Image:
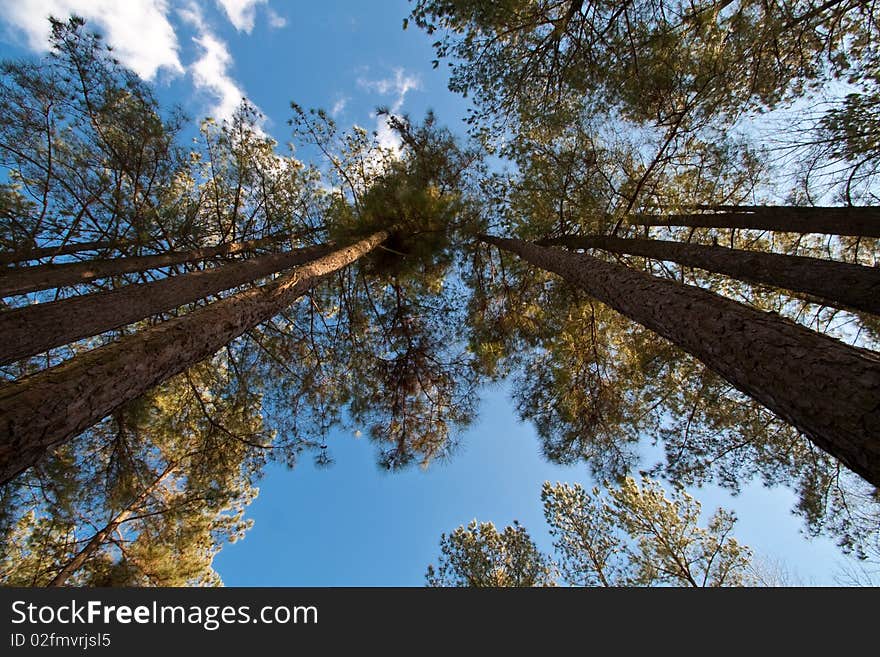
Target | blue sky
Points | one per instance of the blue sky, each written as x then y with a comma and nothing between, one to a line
352,524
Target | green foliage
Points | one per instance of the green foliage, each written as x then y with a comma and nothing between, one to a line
162,486
608,110
637,536
634,535
590,398
480,556
237,187
529,60
85,145
384,335
848,135
605,110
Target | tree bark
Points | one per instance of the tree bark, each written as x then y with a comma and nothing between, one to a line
838,284
23,280
862,221
9,257
80,558
35,329
47,408
828,390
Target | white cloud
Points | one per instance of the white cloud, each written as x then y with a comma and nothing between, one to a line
241,13
385,136
143,39
210,72
138,30
398,86
276,20
192,14
339,106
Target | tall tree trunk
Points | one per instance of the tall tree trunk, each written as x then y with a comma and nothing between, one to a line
80,558
839,284
23,280
34,329
9,257
47,408
828,390
862,221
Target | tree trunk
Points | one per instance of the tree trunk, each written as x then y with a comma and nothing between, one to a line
23,280
9,257
838,284
34,329
862,221
80,558
828,390
47,408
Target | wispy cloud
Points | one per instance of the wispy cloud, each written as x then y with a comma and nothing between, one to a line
210,72
139,30
339,106
401,84
397,87
276,20
241,13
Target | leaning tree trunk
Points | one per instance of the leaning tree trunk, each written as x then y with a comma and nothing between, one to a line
9,257
826,389
862,221
34,329
80,558
23,280
47,408
838,284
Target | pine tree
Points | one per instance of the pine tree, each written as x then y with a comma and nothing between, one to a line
827,389
840,284
24,280
858,221
54,405
31,330
634,535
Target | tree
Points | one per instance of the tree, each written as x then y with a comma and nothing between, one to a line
703,59
637,536
90,159
563,87
863,222
104,534
633,536
783,366
840,284
105,378
238,188
36,329
147,497
480,556
42,277
388,350
13,257
376,344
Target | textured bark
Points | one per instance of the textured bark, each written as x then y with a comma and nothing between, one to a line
864,221
9,257
47,408
80,558
826,389
23,280
35,329
838,284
